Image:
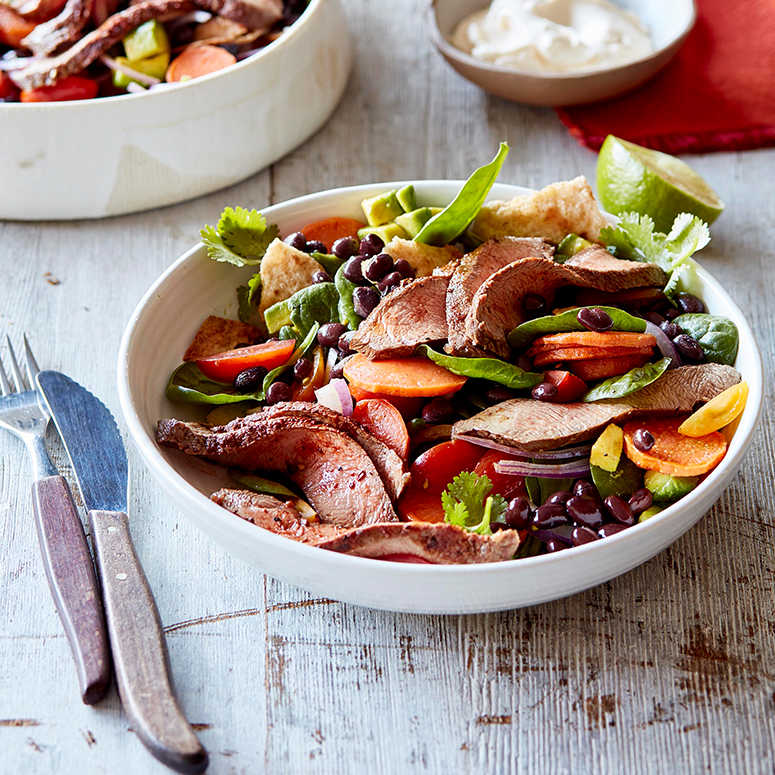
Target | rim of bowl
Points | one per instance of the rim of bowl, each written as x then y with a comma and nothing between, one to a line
450,51
162,470
267,50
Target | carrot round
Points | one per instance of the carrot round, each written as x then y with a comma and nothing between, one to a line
673,453
604,368
196,61
587,353
401,377
332,229
408,406
384,421
592,339
13,27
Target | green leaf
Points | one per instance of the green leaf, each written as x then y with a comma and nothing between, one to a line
718,336
539,488
623,482
346,308
492,369
261,485
454,219
244,310
634,380
245,231
467,505
254,288
568,321
330,263
317,303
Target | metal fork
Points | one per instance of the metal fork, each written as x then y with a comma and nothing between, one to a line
66,557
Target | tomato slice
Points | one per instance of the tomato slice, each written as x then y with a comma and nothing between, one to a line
74,87
7,87
408,406
224,367
507,485
569,387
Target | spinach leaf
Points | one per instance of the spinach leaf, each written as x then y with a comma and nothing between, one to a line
484,368
632,381
244,309
718,336
330,263
288,332
623,482
313,304
347,314
453,220
568,321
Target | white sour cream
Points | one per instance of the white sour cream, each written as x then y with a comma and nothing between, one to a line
555,36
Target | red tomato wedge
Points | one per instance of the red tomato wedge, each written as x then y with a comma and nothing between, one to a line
7,87
331,229
384,421
507,485
74,87
224,367
569,387
408,406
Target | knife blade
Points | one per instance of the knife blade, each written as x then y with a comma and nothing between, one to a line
96,450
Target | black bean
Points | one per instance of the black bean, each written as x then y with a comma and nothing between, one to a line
555,546
619,510
286,377
249,380
610,529
438,411
533,304
655,318
586,489
672,313
643,440
232,48
640,500
585,511
345,248
364,300
303,368
321,277
296,240
329,333
316,246
545,391
550,515
496,526
499,393
561,496
689,303
344,343
689,348
376,268
278,391
371,244
595,319
672,330
517,514
583,535
405,269
353,269
389,281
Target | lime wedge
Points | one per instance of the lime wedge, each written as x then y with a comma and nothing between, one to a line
631,178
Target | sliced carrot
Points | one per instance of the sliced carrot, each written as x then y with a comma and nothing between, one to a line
592,339
332,229
587,353
408,406
197,61
402,377
718,412
385,422
606,367
673,453
13,27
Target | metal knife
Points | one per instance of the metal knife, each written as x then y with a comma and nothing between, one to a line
140,658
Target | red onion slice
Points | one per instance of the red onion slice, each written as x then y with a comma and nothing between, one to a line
666,347
336,395
582,450
111,63
573,470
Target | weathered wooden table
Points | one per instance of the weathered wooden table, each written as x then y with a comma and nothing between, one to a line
666,669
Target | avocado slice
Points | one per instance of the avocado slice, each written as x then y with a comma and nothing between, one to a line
385,232
624,481
571,245
382,209
669,488
148,40
650,512
406,198
155,66
413,221
277,316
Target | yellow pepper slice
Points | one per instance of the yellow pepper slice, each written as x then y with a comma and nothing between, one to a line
607,450
306,390
717,413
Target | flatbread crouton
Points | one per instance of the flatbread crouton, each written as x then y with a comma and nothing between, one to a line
217,335
284,270
424,258
552,213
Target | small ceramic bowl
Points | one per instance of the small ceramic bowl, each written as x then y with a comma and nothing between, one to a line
116,155
669,22
166,320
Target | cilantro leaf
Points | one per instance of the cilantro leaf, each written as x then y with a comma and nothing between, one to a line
467,505
241,238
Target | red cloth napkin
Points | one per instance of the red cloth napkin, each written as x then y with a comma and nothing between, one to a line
718,94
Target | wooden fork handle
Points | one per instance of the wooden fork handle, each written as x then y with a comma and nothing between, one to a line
70,573
139,650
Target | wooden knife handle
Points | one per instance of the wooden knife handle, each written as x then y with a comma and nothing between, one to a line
139,650
70,573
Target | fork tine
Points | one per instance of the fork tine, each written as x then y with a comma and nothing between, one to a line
5,388
16,372
32,366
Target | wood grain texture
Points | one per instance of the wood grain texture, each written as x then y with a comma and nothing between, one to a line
667,669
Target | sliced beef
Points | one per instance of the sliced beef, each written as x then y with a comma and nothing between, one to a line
64,28
50,69
424,541
335,473
412,314
34,10
473,270
392,469
496,307
274,515
531,426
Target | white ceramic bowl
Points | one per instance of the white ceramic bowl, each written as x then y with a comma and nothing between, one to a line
669,22
110,156
162,327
